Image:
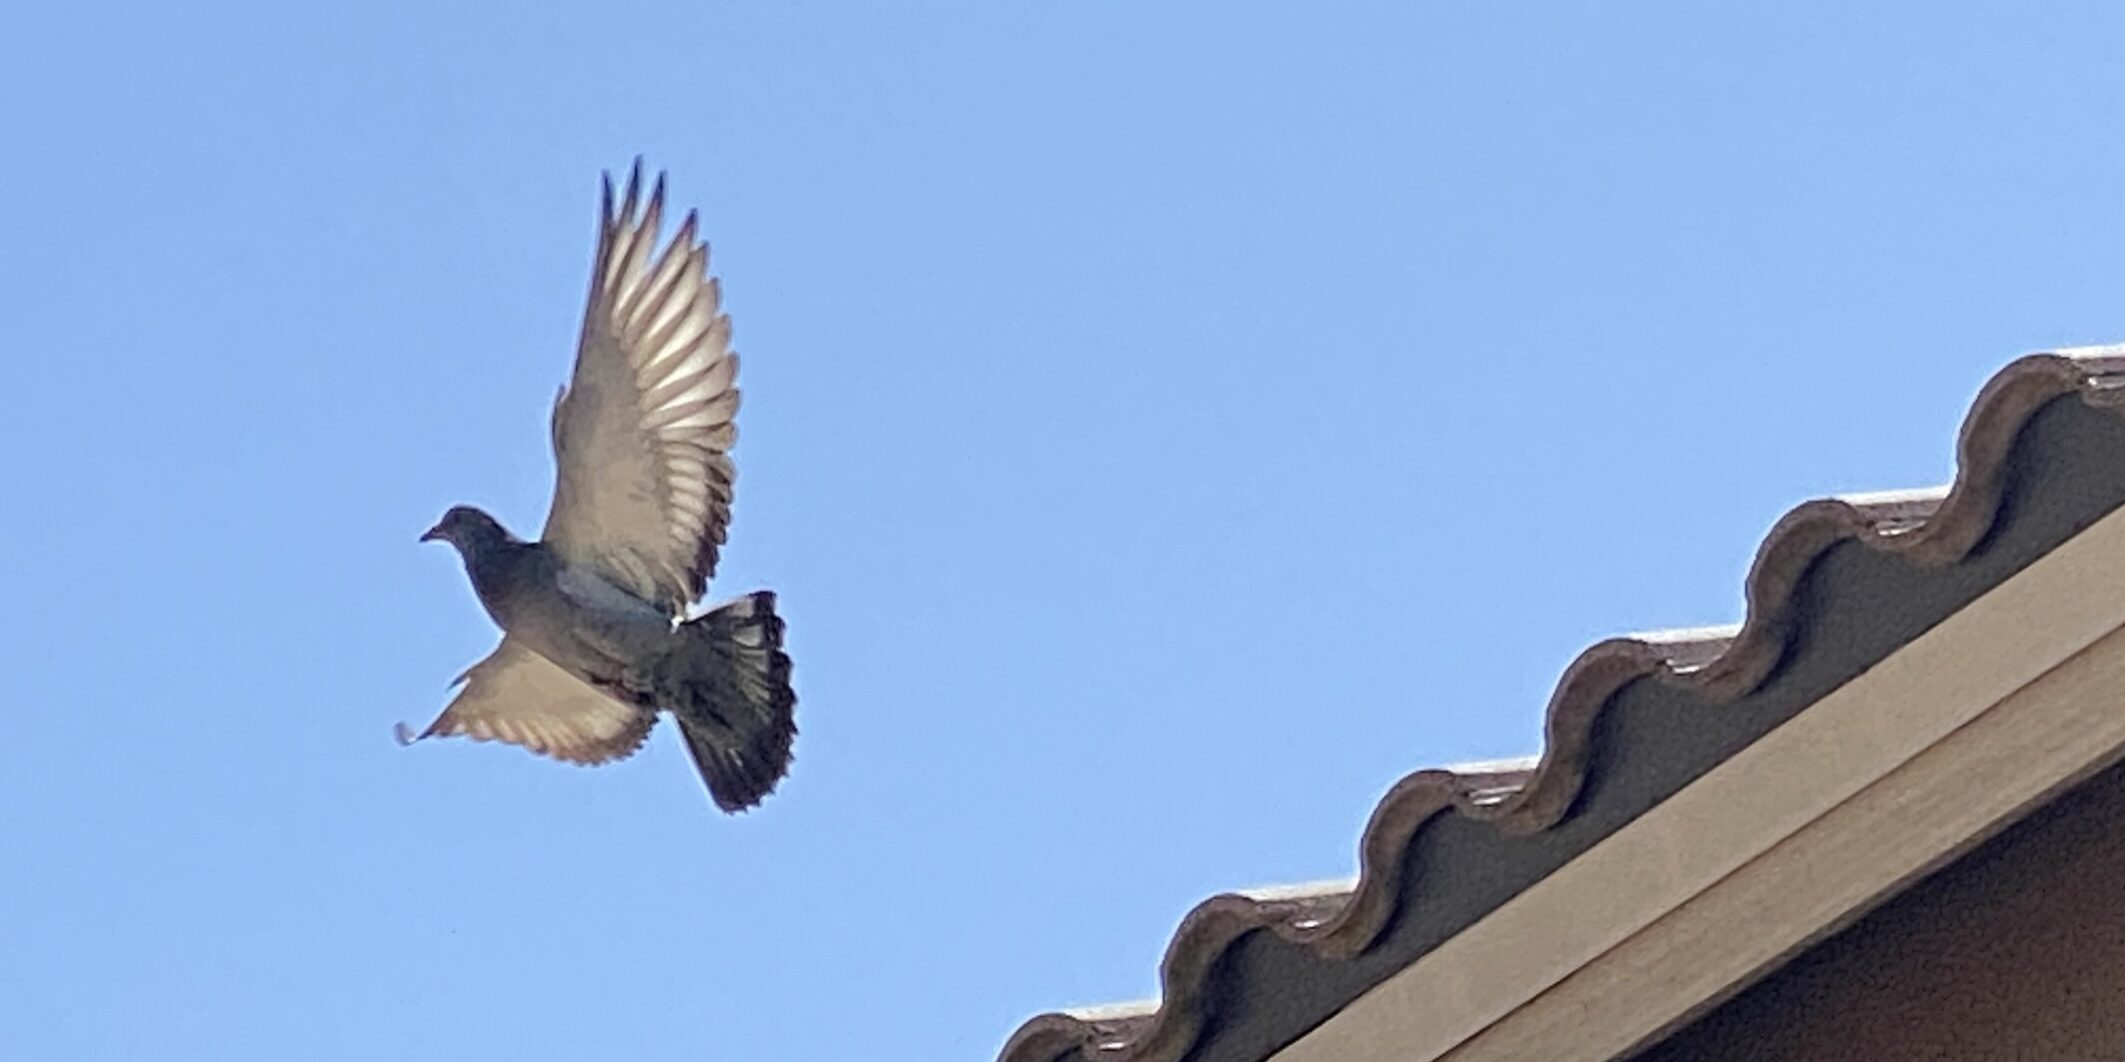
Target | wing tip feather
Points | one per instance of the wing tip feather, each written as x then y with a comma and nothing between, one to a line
634,189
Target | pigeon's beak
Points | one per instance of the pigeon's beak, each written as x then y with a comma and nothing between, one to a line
432,533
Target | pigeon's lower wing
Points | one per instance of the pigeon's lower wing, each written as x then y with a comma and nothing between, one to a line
519,697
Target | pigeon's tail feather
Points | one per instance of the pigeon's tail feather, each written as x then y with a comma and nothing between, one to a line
728,683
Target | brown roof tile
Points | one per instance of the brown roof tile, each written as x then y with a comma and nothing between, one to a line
1338,922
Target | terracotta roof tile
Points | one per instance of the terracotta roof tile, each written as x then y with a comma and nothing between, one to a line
1340,921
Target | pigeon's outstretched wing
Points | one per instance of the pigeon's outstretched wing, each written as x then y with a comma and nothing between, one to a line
642,433
519,697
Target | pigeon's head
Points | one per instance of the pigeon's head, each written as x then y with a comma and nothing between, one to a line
466,528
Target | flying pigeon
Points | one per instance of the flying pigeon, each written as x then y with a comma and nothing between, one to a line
596,638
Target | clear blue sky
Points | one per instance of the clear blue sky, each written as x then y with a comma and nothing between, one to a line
1165,430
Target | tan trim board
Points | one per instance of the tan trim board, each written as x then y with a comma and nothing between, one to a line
2051,734
1857,736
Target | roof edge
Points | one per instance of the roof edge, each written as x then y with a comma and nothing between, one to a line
1930,528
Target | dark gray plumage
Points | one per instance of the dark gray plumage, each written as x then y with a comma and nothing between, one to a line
595,639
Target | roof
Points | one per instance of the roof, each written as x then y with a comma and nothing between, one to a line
1836,587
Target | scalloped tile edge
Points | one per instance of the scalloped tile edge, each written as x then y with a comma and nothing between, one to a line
1930,526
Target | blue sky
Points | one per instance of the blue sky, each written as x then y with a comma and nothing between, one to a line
1165,428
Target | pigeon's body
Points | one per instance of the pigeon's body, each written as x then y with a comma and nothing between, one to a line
571,616
594,615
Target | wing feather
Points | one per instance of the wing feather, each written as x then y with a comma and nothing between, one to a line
643,431
518,697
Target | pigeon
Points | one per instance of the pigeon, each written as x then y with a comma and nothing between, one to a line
596,637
